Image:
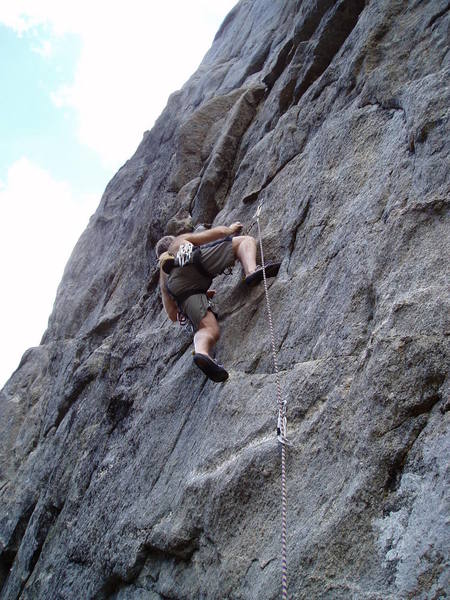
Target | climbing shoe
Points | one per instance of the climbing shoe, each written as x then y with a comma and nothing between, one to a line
257,276
210,368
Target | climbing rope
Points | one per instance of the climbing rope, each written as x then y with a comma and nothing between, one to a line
282,423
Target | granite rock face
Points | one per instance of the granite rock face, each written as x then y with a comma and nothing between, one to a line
124,474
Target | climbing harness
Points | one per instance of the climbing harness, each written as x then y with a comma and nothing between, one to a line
282,422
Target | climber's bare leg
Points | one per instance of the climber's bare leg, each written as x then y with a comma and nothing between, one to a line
244,248
207,335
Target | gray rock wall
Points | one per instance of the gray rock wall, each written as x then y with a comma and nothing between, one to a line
124,474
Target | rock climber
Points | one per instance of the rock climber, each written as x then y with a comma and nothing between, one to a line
188,264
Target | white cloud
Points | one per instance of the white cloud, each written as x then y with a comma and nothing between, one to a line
44,49
41,222
133,55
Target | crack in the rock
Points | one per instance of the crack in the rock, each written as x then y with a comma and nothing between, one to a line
52,514
254,195
281,62
395,471
342,20
46,519
423,408
10,549
294,232
438,16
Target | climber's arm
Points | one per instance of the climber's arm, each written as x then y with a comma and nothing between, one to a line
204,237
169,303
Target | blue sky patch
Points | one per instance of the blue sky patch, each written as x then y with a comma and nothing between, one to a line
30,124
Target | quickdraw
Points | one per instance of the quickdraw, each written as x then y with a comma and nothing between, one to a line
184,254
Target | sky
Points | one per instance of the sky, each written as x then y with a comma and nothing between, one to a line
80,82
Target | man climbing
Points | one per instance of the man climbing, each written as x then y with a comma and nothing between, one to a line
188,264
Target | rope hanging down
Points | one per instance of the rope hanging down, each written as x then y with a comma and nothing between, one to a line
282,422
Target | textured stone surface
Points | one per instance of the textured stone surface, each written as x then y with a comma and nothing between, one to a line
124,474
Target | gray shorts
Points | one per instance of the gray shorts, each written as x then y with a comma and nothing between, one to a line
216,258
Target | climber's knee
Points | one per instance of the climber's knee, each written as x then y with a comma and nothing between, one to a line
243,243
209,326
